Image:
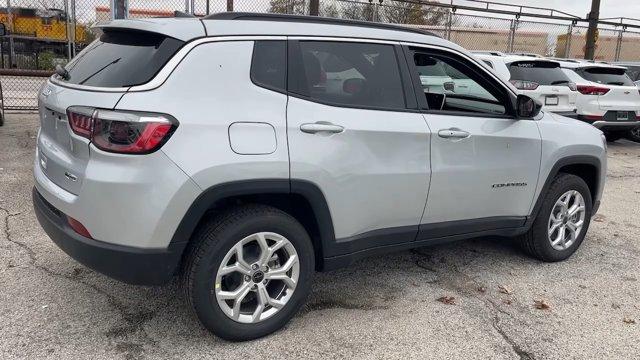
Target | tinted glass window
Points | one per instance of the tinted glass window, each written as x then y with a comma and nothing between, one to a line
122,58
633,72
352,74
455,86
269,64
604,75
541,72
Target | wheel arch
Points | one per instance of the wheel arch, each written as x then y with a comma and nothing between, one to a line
586,167
301,199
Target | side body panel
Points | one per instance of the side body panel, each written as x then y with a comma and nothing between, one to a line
374,175
584,143
491,173
216,77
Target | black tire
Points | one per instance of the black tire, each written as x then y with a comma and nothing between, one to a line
634,135
613,136
211,243
536,241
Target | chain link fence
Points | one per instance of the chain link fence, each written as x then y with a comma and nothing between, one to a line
43,33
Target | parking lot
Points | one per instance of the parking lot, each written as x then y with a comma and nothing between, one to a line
475,299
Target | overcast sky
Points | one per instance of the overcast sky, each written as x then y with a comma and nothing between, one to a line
608,8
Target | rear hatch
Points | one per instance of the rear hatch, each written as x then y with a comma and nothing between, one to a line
623,94
546,82
96,78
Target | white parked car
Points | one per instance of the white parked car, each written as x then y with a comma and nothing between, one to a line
539,78
607,98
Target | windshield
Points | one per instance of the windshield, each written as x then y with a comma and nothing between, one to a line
122,58
541,72
606,76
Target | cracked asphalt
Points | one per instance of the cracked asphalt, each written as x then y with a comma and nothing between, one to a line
467,300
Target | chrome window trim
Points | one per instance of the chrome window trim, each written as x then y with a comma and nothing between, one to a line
170,66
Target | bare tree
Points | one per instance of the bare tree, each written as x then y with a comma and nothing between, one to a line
400,12
358,11
329,10
297,7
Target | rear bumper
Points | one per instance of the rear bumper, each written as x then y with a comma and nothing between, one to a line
615,125
127,264
569,114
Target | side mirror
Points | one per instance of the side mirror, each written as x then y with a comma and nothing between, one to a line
527,107
3,30
449,86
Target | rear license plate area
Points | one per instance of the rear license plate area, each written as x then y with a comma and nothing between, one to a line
622,115
551,100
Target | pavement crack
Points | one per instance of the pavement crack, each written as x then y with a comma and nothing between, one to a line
524,355
468,287
133,321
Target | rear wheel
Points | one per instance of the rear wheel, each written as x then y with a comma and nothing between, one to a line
562,222
613,136
249,272
634,134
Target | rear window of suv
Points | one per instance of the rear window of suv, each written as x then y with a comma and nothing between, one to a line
606,76
122,58
541,72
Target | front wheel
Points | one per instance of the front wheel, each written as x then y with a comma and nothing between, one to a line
249,272
562,222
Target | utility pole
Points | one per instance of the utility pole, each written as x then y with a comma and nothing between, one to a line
119,9
229,5
314,7
592,33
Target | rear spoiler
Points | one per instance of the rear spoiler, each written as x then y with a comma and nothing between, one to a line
184,29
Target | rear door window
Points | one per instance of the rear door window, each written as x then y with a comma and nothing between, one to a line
541,72
269,64
606,76
348,74
122,58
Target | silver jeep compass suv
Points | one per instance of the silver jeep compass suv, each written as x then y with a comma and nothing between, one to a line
243,152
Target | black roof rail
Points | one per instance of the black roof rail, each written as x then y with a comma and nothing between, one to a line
182,14
312,19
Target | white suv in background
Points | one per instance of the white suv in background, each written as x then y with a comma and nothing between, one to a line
607,98
539,78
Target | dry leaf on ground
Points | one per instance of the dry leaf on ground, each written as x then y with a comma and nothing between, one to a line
449,300
541,305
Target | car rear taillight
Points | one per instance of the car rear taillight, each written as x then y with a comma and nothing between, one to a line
120,131
80,120
592,90
524,85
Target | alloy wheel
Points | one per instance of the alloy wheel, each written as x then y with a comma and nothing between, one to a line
566,220
257,277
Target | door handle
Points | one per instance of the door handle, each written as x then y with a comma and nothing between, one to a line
320,127
453,133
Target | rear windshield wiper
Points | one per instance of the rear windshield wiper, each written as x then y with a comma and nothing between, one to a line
619,83
558,82
99,70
